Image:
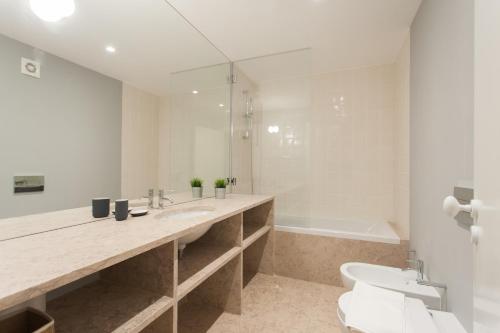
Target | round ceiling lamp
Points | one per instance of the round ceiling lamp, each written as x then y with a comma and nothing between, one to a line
52,10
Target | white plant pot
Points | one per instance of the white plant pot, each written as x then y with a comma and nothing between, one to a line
197,192
220,193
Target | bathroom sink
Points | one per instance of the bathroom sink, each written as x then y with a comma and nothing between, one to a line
186,214
390,278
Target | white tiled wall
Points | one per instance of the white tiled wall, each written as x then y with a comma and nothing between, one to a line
243,95
335,155
402,143
332,145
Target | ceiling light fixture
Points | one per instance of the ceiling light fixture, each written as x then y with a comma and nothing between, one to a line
52,10
221,105
195,92
110,49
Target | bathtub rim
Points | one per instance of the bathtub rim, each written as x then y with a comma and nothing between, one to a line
396,240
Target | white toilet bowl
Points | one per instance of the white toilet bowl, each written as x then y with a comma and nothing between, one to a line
417,317
342,308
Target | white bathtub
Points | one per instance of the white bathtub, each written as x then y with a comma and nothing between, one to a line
350,229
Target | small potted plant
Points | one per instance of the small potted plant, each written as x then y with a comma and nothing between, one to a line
220,188
196,187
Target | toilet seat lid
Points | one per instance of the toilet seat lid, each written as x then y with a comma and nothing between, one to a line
343,304
417,317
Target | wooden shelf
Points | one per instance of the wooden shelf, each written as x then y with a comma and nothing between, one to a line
253,233
199,263
256,223
195,318
107,307
221,292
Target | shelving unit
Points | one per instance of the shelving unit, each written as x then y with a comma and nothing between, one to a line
201,275
258,258
163,324
205,256
128,297
158,292
258,241
221,292
206,316
105,307
255,235
256,221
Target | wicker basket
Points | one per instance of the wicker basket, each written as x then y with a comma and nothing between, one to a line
27,321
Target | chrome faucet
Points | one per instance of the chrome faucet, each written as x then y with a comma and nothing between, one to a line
432,284
150,197
416,265
419,267
161,199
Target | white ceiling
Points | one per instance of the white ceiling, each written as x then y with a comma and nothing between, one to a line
278,66
151,38
340,33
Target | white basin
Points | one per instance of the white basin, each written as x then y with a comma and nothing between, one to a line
187,214
390,278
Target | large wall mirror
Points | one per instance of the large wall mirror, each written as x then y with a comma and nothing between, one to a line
116,99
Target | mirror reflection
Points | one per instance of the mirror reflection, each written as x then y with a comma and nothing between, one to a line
88,102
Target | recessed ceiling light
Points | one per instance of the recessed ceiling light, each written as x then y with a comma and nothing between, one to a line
110,49
52,10
273,129
195,92
221,105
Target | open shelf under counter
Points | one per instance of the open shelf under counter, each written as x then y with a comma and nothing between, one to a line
220,292
258,255
205,317
108,307
253,232
208,254
257,221
199,262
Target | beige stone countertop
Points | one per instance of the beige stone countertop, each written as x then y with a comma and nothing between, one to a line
20,226
32,265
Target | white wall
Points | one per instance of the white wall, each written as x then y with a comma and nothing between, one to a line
441,116
402,143
164,143
140,117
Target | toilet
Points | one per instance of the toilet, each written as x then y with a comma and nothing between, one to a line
342,308
418,318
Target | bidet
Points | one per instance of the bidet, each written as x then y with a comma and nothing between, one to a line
392,278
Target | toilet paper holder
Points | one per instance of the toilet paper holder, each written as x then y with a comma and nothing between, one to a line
452,207
461,206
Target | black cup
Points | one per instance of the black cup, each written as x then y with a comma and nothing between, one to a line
121,209
100,207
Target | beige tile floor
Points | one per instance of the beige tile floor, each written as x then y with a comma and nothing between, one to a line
274,304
